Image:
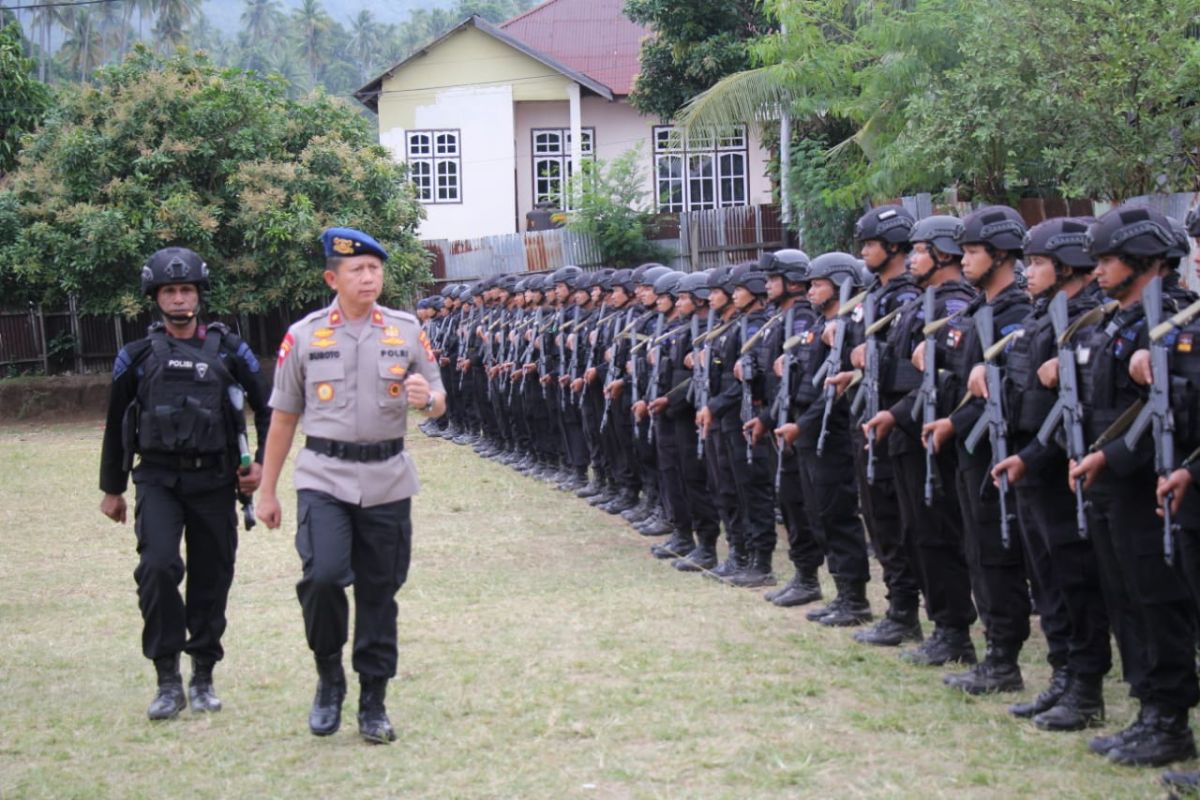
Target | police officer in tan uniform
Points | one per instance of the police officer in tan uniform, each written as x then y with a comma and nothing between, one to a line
349,373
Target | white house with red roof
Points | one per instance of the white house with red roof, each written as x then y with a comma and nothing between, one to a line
487,118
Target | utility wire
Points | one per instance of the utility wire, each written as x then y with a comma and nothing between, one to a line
57,5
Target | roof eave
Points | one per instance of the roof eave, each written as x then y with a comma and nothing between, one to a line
368,95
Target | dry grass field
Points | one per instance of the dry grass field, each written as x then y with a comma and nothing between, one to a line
544,654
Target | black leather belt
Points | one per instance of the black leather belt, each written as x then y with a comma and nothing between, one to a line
172,461
355,451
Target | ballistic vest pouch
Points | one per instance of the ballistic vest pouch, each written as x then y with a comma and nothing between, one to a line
182,397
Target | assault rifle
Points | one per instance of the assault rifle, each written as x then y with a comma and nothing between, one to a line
832,365
591,346
992,422
700,371
652,388
237,399
783,395
867,399
927,395
747,408
1157,411
1068,409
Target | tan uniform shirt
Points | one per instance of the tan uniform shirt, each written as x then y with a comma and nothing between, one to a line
349,386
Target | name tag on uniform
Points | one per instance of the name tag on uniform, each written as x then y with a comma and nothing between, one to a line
1083,355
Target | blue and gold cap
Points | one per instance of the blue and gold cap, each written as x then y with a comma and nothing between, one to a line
346,242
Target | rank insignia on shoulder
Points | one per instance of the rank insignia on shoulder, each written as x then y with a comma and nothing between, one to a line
424,340
324,392
322,343
335,317
398,370
377,317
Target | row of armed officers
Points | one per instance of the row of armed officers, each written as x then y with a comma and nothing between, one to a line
1006,417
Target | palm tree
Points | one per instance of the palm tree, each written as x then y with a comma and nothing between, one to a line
311,23
173,19
364,42
263,25
83,49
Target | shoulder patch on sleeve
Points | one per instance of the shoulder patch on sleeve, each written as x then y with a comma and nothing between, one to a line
285,347
122,363
246,354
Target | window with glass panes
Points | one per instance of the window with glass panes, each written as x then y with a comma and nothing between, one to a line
435,165
698,172
552,161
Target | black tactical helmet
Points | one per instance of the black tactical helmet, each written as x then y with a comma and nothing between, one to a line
1192,223
749,277
173,265
719,279
1183,245
938,230
1130,231
695,284
603,278
668,284
624,279
1061,238
838,268
651,274
792,264
999,226
887,223
436,302
568,275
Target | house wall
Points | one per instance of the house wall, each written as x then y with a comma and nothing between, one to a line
469,83
619,128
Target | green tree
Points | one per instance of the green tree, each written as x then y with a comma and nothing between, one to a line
23,99
612,208
175,151
83,50
695,44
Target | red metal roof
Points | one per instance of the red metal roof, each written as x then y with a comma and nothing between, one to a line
591,36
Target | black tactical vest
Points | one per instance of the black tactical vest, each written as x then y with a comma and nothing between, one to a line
183,397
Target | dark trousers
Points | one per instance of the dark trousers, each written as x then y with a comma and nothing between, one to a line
887,527
207,522
831,500
725,494
937,538
754,483
702,511
342,544
1149,605
997,573
804,551
672,492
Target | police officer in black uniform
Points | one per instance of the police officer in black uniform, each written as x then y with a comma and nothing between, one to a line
176,403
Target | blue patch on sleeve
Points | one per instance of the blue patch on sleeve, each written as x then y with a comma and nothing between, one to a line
1007,329
246,354
121,364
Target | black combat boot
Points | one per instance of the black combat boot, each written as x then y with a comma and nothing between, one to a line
644,508
578,479
998,672
654,525
902,623
1181,784
1080,706
756,574
1059,679
627,499
605,497
944,646
201,696
679,545
373,722
820,612
702,559
735,561
1102,745
593,487
802,589
325,716
853,609
168,700
1165,738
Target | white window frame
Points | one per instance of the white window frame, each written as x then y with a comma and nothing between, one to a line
434,160
555,151
697,173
